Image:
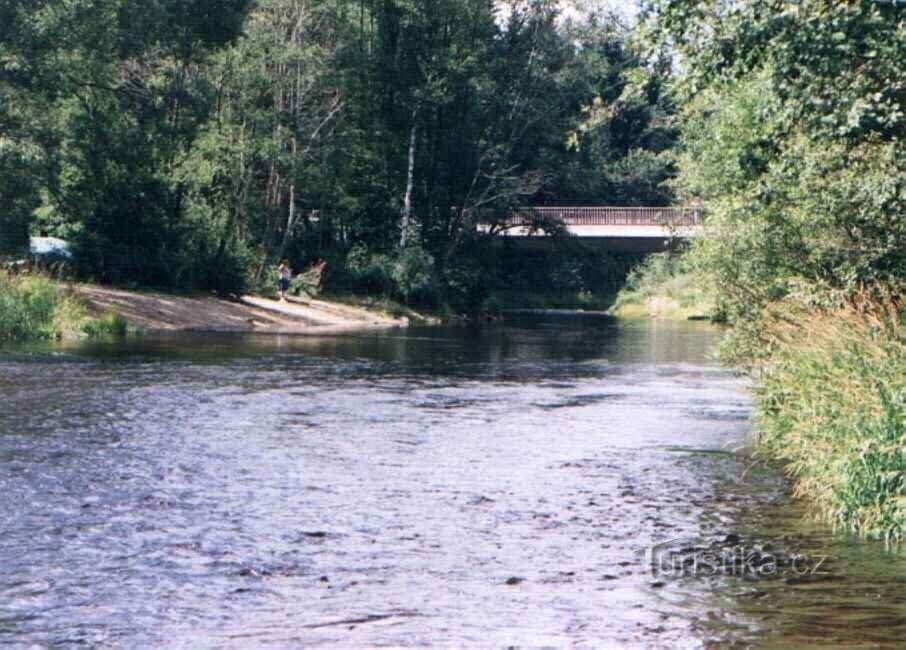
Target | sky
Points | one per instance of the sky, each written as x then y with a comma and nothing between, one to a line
576,9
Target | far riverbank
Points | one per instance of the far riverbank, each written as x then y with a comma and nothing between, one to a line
35,306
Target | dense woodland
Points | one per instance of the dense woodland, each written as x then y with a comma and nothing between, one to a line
191,143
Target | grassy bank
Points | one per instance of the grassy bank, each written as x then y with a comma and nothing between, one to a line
664,286
36,307
831,405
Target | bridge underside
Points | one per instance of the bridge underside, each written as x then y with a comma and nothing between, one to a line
610,239
603,244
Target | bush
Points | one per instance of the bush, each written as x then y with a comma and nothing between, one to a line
368,273
466,286
492,305
413,275
228,274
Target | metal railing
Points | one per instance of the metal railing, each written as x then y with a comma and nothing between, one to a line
607,216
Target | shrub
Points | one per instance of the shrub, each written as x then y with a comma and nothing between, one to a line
413,275
666,284
492,305
397,311
367,272
228,274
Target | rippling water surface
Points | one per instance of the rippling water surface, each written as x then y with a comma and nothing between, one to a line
472,486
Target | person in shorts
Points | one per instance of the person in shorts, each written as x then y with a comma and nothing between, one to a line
285,274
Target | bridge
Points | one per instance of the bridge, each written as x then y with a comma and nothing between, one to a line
616,229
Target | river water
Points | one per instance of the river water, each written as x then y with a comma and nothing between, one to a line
527,483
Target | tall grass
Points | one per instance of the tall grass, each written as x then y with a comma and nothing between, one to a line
832,407
35,306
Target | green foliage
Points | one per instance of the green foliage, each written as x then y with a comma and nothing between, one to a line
466,284
568,276
19,171
787,207
34,307
397,311
413,275
112,93
367,273
191,144
793,137
108,325
408,277
795,145
832,405
666,285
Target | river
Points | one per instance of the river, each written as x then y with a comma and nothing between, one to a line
525,483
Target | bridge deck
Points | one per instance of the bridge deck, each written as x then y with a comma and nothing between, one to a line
603,222
607,216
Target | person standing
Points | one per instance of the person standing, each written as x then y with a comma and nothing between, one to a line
285,274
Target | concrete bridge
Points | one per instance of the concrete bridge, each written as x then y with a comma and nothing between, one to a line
615,229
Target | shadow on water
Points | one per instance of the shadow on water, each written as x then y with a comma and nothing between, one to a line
501,484
520,337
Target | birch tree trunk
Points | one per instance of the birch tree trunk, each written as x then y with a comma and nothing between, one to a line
406,225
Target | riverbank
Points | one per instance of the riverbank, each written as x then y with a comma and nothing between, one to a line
35,306
829,390
664,286
831,407
159,311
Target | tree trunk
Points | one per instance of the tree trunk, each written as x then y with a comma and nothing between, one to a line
290,222
406,225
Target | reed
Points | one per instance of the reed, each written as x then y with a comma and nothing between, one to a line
831,405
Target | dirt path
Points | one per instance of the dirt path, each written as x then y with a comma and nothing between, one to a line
159,311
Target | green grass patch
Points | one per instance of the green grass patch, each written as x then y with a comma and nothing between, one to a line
35,307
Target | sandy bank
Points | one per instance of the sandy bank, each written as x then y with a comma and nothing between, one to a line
160,311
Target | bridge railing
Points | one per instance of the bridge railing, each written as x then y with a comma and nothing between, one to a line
608,216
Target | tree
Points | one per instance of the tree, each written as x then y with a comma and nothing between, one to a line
793,136
118,83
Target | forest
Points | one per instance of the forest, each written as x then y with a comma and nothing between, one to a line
190,144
